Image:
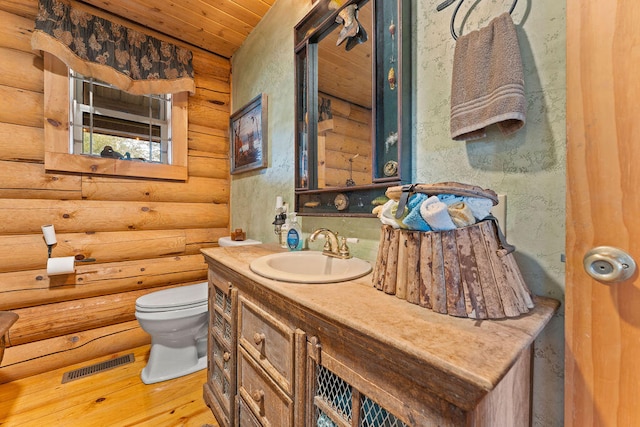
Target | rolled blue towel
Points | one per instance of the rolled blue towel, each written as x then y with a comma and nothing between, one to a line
450,199
435,213
416,200
414,220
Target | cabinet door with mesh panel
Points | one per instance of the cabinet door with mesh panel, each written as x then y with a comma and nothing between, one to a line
335,402
338,404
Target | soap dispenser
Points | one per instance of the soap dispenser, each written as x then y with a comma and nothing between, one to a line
284,232
294,235
281,224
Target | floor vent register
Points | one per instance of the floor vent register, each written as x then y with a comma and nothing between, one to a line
76,374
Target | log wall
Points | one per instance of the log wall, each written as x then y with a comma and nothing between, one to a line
144,234
344,136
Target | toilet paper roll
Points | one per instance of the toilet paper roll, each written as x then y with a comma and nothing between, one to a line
49,234
61,265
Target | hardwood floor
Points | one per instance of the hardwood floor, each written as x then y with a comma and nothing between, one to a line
116,397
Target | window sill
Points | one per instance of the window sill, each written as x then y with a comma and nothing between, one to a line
103,166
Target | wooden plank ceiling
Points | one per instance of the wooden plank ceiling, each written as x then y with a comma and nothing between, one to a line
218,26
347,74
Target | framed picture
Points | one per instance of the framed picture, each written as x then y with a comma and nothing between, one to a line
248,139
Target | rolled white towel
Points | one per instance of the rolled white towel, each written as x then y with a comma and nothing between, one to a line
435,213
480,206
386,213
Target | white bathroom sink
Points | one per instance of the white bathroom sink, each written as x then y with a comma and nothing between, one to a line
309,267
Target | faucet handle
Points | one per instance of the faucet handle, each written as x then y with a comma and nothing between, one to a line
327,245
344,249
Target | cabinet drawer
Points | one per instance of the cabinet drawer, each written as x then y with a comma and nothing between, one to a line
269,341
270,405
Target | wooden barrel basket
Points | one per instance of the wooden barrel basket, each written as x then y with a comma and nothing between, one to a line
465,272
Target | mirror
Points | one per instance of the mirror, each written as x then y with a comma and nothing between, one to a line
352,105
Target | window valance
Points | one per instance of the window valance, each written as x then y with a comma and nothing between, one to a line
126,58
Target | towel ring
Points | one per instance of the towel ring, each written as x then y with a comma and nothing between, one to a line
448,3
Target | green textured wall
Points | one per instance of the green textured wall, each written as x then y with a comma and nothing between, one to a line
528,167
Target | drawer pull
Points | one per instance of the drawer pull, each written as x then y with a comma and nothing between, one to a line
258,338
226,356
257,395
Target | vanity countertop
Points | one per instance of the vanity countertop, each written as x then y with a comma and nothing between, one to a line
477,353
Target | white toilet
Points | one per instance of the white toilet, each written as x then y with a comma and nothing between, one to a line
176,319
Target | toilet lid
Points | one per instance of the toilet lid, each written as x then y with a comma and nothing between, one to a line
175,298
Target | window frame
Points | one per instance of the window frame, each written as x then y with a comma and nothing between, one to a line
59,156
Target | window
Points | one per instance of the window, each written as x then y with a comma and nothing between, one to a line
109,122
82,116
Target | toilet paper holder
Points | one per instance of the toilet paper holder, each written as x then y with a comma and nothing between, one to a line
51,240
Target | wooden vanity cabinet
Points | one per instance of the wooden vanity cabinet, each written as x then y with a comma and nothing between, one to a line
266,360
348,355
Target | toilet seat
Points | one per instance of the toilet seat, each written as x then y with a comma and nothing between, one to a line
180,298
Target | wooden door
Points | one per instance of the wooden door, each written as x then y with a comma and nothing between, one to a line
602,381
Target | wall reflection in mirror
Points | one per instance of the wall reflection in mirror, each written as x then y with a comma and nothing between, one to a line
353,100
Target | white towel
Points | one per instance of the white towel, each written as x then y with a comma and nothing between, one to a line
480,206
387,214
488,81
435,213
